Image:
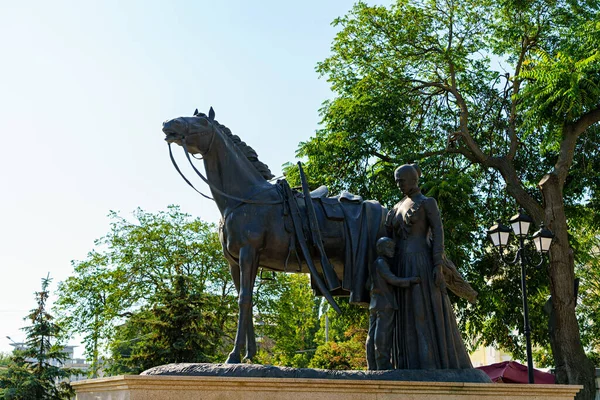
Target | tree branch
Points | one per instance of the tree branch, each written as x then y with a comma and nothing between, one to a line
383,157
515,188
448,48
586,120
423,84
473,147
489,106
512,119
418,156
571,133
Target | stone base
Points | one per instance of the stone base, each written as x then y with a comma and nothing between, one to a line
164,387
470,375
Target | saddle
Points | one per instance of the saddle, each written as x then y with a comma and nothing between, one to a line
333,207
362,225
337,208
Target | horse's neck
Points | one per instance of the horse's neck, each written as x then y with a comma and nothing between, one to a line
231,172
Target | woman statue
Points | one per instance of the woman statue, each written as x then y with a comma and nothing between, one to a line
427,336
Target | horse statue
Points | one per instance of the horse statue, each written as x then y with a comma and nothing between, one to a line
260,224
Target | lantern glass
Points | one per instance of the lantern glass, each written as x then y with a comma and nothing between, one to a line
504,236
520,223
495,237
543,239
538,244
520,228
499,234
546,242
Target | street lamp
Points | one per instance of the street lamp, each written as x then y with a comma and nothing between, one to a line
542,239
499,235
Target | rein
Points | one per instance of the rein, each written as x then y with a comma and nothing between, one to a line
212,186
183,176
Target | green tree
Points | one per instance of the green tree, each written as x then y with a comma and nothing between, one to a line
287,314
180,327
291,327
346,355
135,267
353,322
587,267
35,372
4,359
492,99
91,301
341,338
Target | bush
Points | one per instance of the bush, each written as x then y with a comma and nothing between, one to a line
341,356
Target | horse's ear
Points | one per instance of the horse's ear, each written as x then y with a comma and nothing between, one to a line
211,114
196,112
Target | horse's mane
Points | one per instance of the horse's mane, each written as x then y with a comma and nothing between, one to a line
248,151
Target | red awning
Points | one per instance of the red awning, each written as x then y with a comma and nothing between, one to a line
513,372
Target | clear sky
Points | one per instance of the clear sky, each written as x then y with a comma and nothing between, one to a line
84,88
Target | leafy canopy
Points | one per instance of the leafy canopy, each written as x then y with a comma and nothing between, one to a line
128,279
479,93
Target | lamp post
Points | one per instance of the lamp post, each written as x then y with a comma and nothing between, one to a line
499,235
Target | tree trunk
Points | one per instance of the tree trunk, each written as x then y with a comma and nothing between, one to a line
95,354
571,363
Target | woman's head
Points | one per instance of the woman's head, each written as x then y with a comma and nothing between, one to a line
407,177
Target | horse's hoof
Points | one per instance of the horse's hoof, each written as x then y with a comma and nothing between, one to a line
233,359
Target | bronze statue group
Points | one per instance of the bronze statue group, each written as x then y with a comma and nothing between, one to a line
412,324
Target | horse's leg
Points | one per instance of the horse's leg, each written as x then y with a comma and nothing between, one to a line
248,266
234,270
250,338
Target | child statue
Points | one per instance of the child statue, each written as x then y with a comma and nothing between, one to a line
383,306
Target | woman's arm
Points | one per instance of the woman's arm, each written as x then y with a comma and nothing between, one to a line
437,230
437,239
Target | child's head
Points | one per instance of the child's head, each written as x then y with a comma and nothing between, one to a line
385,247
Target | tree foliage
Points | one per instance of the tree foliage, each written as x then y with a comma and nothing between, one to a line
35,372
287,318
495,100
291,326
180,327
588,264
341,338
347,355
4,359
138,278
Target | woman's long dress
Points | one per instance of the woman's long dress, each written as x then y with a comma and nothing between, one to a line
427,336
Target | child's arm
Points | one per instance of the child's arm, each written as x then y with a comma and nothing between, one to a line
406,282
384,270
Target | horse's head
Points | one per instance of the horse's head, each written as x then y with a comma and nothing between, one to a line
198,131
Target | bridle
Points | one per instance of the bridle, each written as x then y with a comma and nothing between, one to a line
212,186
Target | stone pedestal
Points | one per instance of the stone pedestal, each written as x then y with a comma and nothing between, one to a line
139,387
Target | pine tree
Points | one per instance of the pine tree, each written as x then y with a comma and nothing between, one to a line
32,373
